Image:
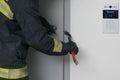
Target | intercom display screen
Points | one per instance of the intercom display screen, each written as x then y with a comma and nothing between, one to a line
110,14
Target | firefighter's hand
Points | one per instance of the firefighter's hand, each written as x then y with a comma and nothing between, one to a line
71,46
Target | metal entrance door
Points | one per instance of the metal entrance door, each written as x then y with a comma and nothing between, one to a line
41,66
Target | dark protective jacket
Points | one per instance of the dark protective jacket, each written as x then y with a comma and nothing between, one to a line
20,27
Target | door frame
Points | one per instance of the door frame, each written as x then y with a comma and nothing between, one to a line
66,26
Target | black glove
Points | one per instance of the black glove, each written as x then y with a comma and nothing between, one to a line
70,46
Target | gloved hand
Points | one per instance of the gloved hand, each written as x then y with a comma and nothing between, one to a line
70,46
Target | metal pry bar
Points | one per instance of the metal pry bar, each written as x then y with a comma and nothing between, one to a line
72,52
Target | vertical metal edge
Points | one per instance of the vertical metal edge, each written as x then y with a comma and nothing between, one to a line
63,37
66,26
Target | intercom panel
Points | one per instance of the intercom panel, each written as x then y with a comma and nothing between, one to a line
111,18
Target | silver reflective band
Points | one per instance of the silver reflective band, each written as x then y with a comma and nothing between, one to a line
13,73
57,46
5,9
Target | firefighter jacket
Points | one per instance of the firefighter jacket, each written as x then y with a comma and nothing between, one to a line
20,28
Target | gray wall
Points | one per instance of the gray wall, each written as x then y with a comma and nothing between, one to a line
99,55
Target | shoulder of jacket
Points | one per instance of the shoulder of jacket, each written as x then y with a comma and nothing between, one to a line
20,3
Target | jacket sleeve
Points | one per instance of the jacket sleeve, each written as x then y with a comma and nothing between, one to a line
34,33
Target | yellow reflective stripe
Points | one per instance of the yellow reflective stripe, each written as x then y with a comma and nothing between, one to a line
5,9
13,73
13,70
13,77
57,46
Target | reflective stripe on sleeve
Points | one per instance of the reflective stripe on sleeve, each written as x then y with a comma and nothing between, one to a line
13,73
57,46
5,9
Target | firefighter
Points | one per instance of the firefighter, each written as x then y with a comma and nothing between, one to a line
21,28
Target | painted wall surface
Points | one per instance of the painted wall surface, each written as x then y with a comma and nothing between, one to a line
99,56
